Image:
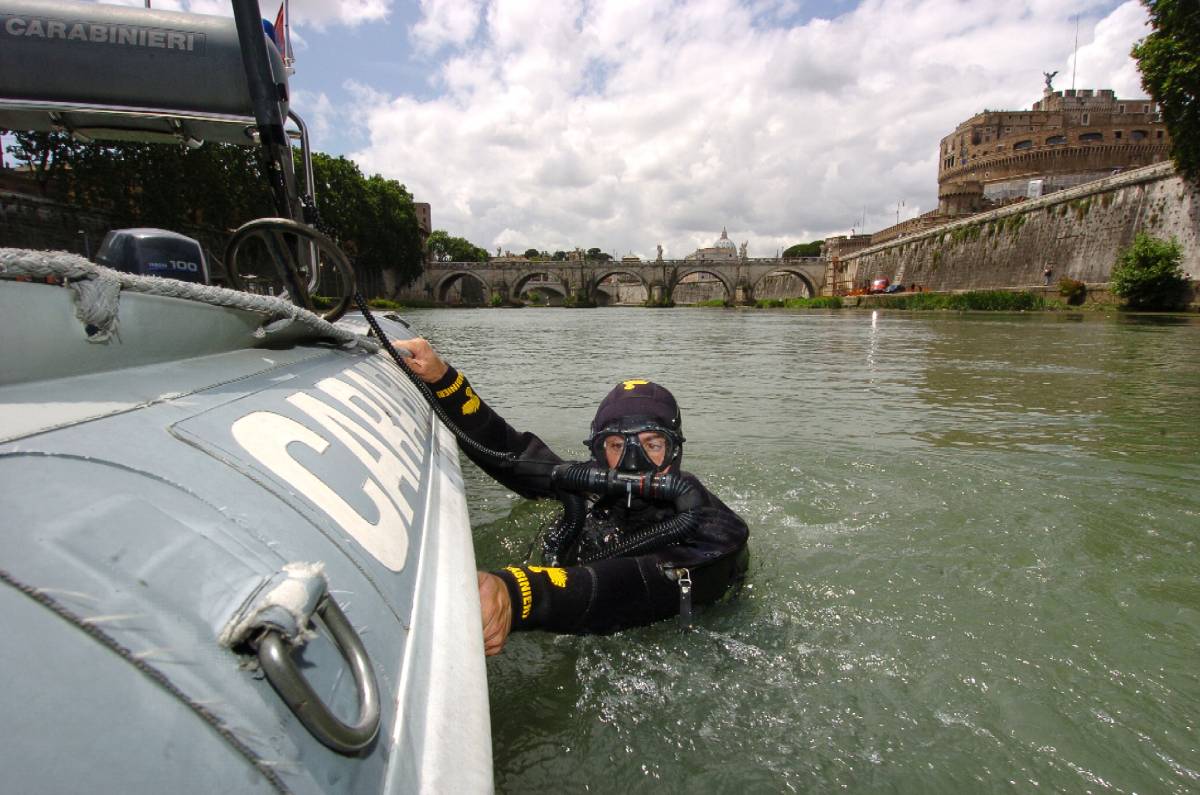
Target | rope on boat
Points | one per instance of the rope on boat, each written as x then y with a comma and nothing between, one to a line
98,290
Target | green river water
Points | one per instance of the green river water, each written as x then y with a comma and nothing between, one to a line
974,552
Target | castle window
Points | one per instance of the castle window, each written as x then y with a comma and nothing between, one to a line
1117,135
1158,134
1085,119
1138,135
1026,144
1091,137
1122,108
1145,108
1055,140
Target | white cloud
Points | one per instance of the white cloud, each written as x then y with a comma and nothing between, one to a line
1105,59
446,22
322,14
628,123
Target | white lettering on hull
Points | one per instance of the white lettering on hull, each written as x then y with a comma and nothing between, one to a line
382,435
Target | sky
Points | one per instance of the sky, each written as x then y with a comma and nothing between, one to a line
555,124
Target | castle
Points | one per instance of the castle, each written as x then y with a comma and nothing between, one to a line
997,157
1067,138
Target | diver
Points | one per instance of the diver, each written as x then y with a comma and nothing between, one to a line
653,544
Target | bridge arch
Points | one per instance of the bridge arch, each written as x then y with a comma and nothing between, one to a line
709,269
803,277
441,290
594,287
551,282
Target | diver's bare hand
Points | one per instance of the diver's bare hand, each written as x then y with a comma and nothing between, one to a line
496,608
424,360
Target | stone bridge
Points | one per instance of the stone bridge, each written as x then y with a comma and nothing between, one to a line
582,280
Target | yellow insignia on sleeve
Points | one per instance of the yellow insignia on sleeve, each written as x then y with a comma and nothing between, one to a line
526,590
450,390
558,577
632,382
472,404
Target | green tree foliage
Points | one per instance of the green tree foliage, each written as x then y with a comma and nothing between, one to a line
46,155
1148,274
559,256
597,254
532,253
1169,59
148,184
222,187
447,248
372,219
812,249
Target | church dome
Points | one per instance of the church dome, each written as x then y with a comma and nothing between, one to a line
723,242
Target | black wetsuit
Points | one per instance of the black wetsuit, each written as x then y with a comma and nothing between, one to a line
608,594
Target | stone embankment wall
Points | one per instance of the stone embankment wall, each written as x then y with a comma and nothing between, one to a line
1077,233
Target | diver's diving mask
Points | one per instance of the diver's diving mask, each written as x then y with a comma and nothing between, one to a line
639,445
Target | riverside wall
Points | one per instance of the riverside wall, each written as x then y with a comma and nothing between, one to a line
1077,233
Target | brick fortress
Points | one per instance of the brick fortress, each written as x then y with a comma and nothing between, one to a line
998,157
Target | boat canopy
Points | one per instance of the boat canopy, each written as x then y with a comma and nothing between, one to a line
126,73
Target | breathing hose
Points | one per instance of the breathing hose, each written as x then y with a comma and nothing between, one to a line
589,478
427,392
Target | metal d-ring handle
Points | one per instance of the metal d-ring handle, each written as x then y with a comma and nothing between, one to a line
275,655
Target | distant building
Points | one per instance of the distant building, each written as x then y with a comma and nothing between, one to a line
1067,138
723,250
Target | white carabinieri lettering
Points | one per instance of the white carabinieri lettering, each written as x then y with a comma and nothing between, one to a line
99,33
389,451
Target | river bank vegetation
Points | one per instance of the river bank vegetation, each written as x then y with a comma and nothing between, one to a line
1149,274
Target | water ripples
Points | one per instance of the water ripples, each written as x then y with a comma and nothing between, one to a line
973,553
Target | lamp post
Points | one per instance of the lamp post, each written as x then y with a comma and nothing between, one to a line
87,246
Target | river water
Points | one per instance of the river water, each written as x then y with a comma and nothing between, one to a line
974,552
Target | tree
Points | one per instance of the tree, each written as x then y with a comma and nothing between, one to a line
388,237
532,253
341,199
1169,60
597,254
812,249
447,248
559,256
1148,274
45,154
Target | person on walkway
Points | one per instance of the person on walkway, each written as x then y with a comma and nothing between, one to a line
636,559
1046,275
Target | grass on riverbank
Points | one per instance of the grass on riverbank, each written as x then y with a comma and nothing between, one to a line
976,300
324,302
821,302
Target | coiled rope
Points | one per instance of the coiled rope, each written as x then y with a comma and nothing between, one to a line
98,289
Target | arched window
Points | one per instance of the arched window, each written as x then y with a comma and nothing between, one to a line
1138,135
1026,144
1055,140
1091,137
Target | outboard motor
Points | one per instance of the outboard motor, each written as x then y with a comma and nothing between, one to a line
154,252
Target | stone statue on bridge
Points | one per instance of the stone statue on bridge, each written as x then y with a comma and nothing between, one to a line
742,249
659,257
